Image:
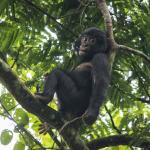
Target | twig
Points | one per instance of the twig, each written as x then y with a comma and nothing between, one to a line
112,121
132,96
109,29
16,59
54,137
134,51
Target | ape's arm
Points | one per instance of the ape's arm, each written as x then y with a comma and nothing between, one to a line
101,78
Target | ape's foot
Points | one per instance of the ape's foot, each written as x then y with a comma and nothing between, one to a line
44,128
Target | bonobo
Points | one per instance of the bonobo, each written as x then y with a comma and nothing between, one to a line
82,90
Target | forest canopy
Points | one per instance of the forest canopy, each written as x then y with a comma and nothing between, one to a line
37,36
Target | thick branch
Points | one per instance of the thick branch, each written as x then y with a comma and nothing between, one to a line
71,135
134,51
28,101
26,98
117,140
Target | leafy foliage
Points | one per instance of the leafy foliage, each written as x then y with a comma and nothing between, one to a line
36,36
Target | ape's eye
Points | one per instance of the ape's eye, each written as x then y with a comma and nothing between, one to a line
92,41
85,39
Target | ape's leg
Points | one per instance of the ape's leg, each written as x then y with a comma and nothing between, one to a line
55,80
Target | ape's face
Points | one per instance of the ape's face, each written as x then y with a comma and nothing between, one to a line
90,42
86,44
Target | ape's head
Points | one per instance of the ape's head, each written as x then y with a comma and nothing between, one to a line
91,41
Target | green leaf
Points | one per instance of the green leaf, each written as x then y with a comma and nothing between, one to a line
21,117
8,39
3,5
19,146
8,101
6,137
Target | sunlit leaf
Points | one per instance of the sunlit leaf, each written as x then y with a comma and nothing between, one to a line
19,146
8,101
6,137
21,117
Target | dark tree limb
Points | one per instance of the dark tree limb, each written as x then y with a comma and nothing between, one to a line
27,100
117,140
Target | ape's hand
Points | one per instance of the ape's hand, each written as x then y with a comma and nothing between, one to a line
90,116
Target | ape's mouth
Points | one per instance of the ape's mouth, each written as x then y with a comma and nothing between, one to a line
81,52
83,49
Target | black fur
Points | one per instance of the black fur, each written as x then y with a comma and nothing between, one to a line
82,90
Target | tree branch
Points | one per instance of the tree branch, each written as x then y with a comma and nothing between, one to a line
108,23
112,45
107,19
54,137
27,100
112,121
134,51
116,140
